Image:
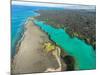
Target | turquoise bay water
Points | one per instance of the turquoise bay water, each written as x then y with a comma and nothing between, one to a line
82,52
20,13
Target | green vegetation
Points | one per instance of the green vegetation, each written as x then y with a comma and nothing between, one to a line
79,23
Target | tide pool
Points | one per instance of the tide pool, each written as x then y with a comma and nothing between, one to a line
83,53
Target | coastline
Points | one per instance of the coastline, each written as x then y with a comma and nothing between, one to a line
72,24
29,58
17,41
77,43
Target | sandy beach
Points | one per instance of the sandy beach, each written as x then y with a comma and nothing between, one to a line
30,57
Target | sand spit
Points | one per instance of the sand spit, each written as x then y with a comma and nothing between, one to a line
30,57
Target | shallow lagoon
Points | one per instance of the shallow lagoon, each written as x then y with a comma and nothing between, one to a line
83,53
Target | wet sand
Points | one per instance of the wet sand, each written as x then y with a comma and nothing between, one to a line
30,57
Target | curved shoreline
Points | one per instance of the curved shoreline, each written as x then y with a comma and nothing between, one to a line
30,57
17,57
72,47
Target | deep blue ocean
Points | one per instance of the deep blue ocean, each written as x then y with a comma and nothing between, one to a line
83,53
19,15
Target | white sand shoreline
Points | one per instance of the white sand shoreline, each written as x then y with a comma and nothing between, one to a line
30,57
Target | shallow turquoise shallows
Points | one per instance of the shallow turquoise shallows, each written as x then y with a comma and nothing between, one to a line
83,53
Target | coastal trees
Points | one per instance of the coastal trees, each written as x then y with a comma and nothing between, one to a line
78,23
